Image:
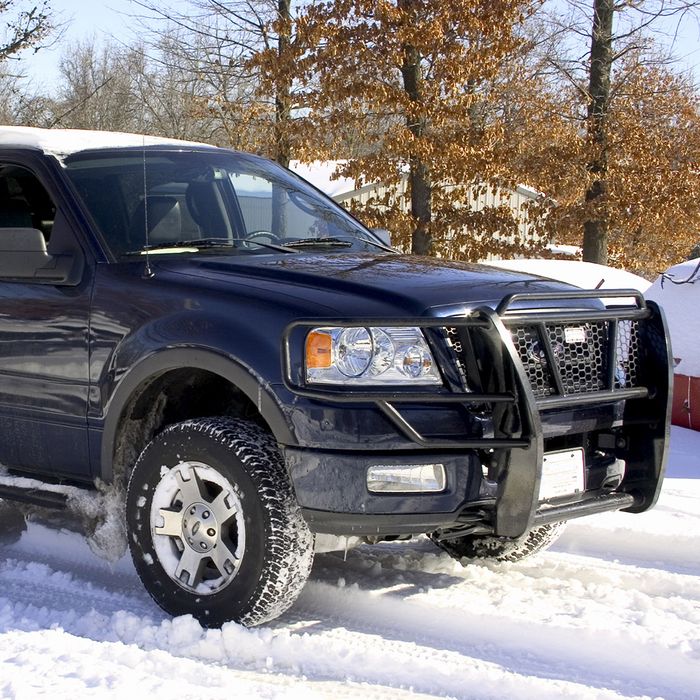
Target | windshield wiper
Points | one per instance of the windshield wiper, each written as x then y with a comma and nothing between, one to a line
376,244
336,242
289,247
205,244
319,242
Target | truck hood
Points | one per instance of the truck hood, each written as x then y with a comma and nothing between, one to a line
363,283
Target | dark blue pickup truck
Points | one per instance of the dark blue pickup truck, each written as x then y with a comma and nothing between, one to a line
247,369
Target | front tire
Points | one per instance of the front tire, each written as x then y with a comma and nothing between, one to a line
502,548
214,528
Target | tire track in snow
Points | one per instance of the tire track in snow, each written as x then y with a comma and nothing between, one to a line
406,617
648,550
85,669
526,648
649,620
336,656
416,567
344,645
56,588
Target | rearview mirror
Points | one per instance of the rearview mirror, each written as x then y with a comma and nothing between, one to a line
383,235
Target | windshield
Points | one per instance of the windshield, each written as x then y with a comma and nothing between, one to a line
208,202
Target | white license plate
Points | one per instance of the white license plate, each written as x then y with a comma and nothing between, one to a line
562,474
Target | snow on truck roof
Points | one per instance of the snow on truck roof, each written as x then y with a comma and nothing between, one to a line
63,142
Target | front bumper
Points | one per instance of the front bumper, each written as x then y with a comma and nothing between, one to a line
506,432
331,489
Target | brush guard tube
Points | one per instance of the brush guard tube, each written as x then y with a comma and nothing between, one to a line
518,435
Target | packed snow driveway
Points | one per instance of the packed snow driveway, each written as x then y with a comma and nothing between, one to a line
613,610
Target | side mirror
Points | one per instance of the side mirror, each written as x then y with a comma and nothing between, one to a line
383,235
23,256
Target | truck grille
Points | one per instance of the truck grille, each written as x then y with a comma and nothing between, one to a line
568,358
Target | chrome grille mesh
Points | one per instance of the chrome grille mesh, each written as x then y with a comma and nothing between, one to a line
576,356
579,353
628,354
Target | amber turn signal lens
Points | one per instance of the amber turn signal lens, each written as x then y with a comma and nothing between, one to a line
318,350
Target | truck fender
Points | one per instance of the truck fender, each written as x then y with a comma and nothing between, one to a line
228,368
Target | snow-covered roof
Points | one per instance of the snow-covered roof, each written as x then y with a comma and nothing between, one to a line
320,174
681,304
63,142
562,249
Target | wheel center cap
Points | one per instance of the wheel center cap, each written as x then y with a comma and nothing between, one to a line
200,529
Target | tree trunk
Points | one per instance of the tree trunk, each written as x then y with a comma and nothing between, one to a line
419,176
595,228
422,239
283,88
283,115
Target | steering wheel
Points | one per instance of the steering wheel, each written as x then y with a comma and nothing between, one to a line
249,239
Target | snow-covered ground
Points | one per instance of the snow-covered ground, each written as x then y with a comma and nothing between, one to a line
581,274
612,611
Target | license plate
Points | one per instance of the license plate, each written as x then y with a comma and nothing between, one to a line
562,474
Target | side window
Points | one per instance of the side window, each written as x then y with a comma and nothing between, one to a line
105,199
174,210
37,241
24,202
268,207
254,195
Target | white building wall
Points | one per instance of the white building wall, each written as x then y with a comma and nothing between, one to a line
321,174
478,199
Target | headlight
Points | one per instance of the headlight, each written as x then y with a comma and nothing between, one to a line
359,355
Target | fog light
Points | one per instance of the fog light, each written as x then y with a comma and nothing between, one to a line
406,478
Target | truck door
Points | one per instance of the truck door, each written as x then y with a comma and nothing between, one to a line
43,338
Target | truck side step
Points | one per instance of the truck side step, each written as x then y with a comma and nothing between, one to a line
33,495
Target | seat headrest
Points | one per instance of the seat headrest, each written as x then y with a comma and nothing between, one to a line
164,219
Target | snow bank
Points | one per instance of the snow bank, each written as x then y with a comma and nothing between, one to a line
681,304
684,458
581,274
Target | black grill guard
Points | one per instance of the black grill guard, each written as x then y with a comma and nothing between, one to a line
626,360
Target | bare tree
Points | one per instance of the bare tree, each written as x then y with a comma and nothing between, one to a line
220,43
95,91
18,104
23,28
110,86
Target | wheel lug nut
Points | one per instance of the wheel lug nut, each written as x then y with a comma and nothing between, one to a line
190,540
205,514
211,532
203,545
193,510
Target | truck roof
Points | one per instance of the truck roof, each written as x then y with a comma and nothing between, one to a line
63,142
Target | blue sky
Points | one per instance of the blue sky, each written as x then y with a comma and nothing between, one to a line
85,18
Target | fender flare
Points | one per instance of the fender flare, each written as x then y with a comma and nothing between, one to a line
243,377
